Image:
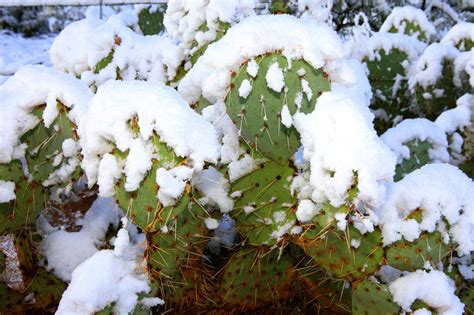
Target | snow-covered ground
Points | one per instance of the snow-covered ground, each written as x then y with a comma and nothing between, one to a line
17,51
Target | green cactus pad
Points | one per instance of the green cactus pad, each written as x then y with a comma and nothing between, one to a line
410,256
143,204
253,277
383,72
151,23
329,293
332,251
369,297
186,235
44,144
259,115
467,297
266,192
104,62
30,199
418,157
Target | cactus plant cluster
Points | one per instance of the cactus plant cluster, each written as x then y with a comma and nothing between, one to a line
216,157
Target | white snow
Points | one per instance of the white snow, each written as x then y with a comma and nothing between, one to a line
18,51
274,77
371,47
441,192
159,110
355,243
211,223
434,288
245,88
241,167
400,16
464,64
64,250
7,191
306,210
109,276
172,183
252,68
286,118
428,68
214,186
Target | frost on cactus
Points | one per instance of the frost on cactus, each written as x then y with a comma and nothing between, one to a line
388,58
410,21
104,50
416,142
39,128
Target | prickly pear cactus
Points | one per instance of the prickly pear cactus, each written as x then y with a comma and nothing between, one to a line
261,112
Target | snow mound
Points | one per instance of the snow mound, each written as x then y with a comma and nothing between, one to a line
109,276
371,48
458,34
64,250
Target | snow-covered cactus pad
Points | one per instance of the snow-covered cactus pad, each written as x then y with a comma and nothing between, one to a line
388,58
38,128
142,143
410,21
97,51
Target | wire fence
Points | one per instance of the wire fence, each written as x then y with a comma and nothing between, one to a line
15,3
